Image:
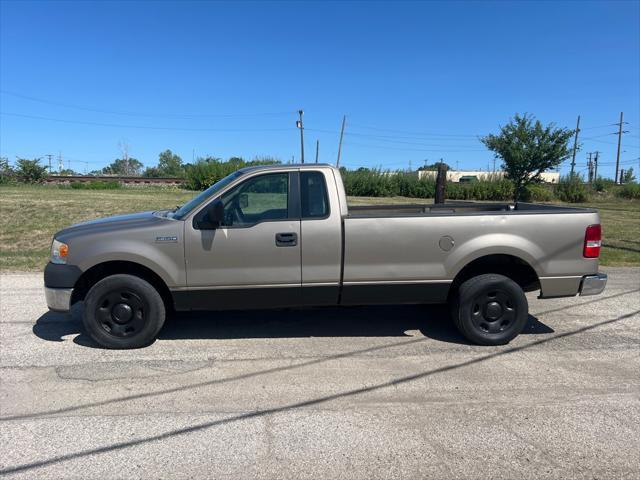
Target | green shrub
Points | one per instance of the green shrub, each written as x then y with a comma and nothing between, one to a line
602,184
207,171
538,192
96,185
7,175
366,182
482,190
630,191
30,171
572,189
371,183
628,176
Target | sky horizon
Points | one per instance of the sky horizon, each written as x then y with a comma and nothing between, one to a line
418,81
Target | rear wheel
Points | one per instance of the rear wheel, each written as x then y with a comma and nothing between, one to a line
123,311
490,309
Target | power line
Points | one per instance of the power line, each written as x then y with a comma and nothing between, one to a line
599,141
140,114
419,133
600,136
599,126
411,149
387,138
147,127
474,135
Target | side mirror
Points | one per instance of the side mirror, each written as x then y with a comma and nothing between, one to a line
213,216
243,200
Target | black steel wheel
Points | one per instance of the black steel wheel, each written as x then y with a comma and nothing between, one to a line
490,309
123,311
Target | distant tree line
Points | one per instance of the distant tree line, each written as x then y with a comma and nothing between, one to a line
525,146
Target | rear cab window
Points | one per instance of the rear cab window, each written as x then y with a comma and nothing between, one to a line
314,197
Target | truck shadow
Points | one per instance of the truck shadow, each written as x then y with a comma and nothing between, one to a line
380,321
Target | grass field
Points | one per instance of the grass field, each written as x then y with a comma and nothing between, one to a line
30,215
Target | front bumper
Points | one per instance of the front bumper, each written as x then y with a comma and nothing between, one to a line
58,299
593,284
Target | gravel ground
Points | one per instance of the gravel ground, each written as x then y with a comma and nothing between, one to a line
384,392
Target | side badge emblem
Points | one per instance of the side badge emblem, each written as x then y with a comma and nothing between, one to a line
167,239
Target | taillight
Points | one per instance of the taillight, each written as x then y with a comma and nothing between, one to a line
592,241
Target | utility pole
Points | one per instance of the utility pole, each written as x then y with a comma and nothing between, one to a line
575,147
301,127
620,132
124,148
60,162
441,183
48,155
317,149
590,167
344,120
595,165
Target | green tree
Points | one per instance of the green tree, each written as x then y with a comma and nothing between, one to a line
432,167
527,149
6,172
208,170
30,171
170,164
122,166
628,176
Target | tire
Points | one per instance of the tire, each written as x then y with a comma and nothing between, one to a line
123,311
490,309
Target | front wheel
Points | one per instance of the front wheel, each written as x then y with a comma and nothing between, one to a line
490,309
123,311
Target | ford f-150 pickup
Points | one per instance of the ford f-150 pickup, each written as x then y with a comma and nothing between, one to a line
283,236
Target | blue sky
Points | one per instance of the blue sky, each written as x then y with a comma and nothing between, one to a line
416,80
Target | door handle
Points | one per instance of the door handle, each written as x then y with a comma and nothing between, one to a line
288,239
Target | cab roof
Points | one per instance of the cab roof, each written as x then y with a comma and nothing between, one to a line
302,166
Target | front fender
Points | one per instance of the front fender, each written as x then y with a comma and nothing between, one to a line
160,262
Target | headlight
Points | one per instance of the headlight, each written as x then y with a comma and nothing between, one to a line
59,252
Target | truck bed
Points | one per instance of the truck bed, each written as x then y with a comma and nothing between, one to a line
457,208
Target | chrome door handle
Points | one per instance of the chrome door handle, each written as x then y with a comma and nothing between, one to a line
288,239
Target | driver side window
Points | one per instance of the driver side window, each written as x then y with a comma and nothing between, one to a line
259,199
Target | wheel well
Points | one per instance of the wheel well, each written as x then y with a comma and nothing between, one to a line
512,267
103,270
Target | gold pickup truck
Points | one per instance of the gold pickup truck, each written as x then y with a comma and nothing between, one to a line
284,236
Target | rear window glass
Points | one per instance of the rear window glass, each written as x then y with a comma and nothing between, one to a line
313,189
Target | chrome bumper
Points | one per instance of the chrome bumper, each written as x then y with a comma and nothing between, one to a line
593,284
58,299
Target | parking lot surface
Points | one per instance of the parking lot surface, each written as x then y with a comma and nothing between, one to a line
376,392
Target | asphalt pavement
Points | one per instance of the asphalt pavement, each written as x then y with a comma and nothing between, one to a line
376,392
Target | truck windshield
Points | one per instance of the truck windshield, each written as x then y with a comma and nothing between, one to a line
184,210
